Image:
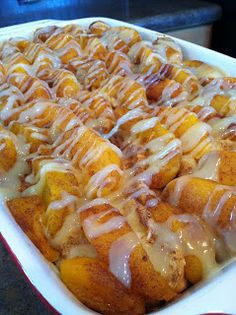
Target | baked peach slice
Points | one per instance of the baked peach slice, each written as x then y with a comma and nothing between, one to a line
213,202
28,213
96,287
119,248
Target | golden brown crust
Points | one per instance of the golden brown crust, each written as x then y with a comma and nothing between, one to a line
28,213
97,288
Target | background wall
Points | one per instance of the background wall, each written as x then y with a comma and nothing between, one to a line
224,39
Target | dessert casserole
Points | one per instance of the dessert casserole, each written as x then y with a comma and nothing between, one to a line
118,161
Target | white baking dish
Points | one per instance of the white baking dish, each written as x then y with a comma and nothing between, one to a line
212,296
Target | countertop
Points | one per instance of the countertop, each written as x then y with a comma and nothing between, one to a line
160,15
171,14
16,296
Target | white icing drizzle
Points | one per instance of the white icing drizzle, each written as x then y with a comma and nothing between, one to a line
8,190
205,112
194,135
132,114
93,154
39,179
93,228
39,136
67,200
144,124
161,152
204,70
100,179
120,64
32,112
162,149
81,250
94,203
167,98
64,148
180,183
208,166
220,126
211,215
229,234
13,96
119,255
70,225
195,138
208,93
142,190
192,239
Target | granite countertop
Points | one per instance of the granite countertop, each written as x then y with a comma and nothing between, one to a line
16,296
160,15
172,14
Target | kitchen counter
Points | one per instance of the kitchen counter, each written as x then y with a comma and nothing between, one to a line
172,15
160,15
16,295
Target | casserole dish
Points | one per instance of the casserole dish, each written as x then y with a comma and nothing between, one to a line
207,297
